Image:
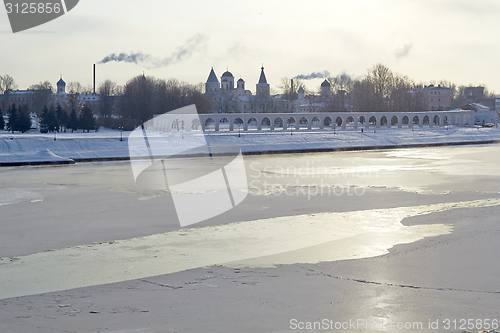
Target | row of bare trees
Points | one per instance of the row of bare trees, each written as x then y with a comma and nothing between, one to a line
140,98
145,96
379,90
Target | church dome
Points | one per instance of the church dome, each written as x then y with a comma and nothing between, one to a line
325,84
241,80
301,90
227,73
61,83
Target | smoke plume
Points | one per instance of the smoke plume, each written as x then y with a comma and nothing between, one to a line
316,75
191,46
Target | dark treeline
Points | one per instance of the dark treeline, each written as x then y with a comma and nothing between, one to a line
116,107
145,96
19,119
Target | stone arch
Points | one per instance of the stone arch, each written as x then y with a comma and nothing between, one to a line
252,123
426,120
415,120
339,121
436,120
278,123
303,122
406,120
195,124
394,121
372,120
315,123
467,120
327,121
350,120
291,122
175,125
265,123
383,120
210,124
362,119
224,123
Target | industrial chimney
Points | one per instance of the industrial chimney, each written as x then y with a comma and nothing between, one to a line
94,79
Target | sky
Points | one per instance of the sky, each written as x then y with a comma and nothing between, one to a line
426,40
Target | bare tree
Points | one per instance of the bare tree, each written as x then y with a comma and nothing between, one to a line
7,83
382,79
144,97
74,87
137,101
363,95
42,95
226,102
42,85
107,90
288,91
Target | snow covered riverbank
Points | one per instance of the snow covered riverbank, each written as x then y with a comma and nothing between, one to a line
33,148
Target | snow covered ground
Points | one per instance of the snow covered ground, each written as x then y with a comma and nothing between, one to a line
106,144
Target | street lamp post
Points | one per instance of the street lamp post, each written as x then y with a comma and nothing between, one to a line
121,132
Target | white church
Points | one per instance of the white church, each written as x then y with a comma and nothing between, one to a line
235,98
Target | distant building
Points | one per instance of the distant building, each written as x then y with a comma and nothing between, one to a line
61,86
476,95
229,97
263,88
325,88
34,100
482,113
18,97
93,100
473,94
437,98
300,92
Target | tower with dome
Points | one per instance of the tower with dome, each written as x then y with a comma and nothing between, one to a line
233,97
61,86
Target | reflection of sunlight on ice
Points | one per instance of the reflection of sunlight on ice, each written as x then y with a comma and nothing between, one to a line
282,240
425,153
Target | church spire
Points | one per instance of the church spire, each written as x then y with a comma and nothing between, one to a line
262,75
262,88
212,78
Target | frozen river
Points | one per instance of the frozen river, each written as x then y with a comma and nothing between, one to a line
89,224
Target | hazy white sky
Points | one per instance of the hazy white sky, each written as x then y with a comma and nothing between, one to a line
426,40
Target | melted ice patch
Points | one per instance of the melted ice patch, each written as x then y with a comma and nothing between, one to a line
308,238
10,196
